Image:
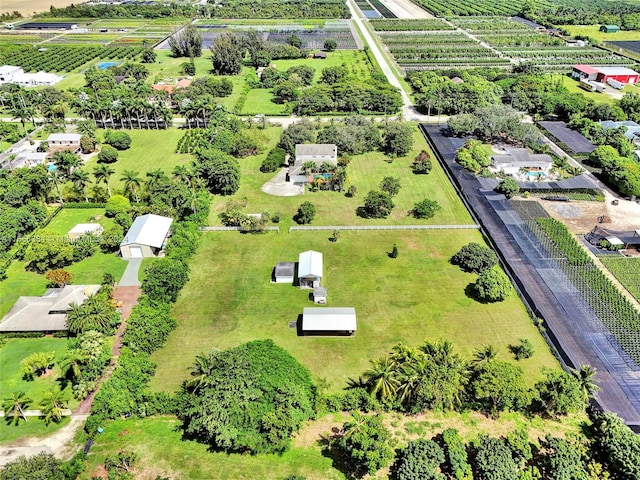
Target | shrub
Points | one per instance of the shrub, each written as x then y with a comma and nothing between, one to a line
305,214
475,258
421,459
422,163
250,398
330,44
391,185
508,187
492,285
425,209
117,204
118,140
274,160
376,205
523,349
164,278
107,154
351,191
59,277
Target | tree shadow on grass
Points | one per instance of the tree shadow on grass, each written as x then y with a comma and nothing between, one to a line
339,459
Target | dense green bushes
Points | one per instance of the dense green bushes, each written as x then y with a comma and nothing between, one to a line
274,160
247,399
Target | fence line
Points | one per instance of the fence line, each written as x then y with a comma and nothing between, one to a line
235,229
385,227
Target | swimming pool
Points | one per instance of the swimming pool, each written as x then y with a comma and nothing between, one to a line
535,174
105,65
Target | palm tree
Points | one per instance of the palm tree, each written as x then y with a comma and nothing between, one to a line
103,173
483,355
53,406
202,368
73,362
154,177
585,375
86,127
93,314
14,406
24,114
80,180
66,161
132,183
182,173
382,378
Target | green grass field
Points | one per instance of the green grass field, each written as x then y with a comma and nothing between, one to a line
418,296
593,31
150,149
11,381
626,270
365,172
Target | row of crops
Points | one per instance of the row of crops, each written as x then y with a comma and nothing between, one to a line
445,8
24,38
437,49
507,40
611,307
406,25
58,58
626,270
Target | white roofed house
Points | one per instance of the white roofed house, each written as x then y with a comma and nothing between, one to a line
64,141
84,229
146,237
310,269
318,153
14,74
328,321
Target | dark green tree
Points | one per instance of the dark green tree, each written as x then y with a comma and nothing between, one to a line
366,443
391,185
219,171
397,139
475,258
227,54
43,466
330,44
493,460
107,154
425,209
560,393
501,386
508,187
492,285
164,278
186,42
420,460
376,205
305,213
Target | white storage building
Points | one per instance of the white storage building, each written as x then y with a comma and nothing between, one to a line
146,237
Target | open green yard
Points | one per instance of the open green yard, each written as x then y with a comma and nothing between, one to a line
418,296
365,172
67,218
150,149
11,381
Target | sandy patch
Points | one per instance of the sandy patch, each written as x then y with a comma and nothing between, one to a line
29,7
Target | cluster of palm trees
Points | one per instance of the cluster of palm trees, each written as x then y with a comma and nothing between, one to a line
95,313
52,406
431,376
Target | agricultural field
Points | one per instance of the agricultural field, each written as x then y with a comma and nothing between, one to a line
58,58
313,33
400,25
626,270
438,49
445,8
593,31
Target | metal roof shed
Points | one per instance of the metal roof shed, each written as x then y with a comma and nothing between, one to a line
310,268
337,320
146,236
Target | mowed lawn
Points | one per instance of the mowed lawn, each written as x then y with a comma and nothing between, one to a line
11,380
150,149
365,172
593,31
416,297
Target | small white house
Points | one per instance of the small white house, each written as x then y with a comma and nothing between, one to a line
146,237
517,160
64,141
310,269
83,229
8,73
328,321
13,74
284,272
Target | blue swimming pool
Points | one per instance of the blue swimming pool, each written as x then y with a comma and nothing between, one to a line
535,174
105,65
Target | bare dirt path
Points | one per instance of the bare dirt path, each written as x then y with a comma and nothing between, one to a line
406,9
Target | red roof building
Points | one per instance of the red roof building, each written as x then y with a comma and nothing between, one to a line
603,74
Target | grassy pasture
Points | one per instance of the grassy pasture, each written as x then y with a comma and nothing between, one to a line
594,32
418,296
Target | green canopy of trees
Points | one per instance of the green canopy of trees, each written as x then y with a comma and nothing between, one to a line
251,399
475,258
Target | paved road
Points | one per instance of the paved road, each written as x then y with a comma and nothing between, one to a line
408,110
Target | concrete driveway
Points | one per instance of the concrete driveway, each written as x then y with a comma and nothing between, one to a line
279,187
130,275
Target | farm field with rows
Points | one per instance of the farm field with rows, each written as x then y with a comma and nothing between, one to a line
431,44
446,8
59,58
626,270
